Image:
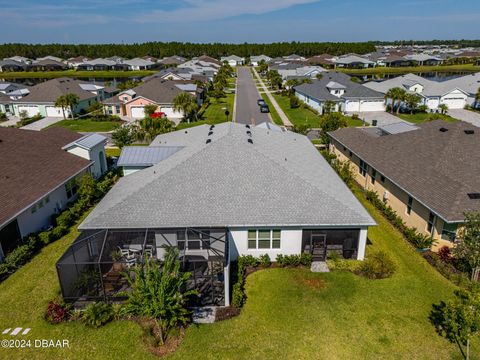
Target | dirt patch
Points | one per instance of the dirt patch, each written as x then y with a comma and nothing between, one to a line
314,283
151,338
225,313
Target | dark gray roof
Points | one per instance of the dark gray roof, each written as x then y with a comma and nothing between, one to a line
279,179
437,168
49,91
145,155
317,89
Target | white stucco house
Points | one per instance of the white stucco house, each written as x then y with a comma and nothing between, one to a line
53,160
225,190
255,60
433,93
233,60
339,89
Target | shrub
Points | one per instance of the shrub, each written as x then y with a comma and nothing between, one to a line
19,256
58,232
445,254
97,314
421,241
344,264
294,102
378,265
265,260
57,312
45,237
65,219
247,260
238,295
306,259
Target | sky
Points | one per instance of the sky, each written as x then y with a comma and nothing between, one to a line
236,21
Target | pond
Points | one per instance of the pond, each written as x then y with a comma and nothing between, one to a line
94,80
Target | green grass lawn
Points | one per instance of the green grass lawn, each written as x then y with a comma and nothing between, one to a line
354,122
87,125
74,73
214,113
419,118
410,69
286,315
273,112
298,116
349,318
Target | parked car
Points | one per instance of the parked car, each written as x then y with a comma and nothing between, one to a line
261,102
264,108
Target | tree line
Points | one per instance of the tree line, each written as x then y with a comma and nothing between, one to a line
188,50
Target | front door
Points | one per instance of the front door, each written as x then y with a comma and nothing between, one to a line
318,246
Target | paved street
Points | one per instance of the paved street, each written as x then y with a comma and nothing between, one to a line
466,115
247,109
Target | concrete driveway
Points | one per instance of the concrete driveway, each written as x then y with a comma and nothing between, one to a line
466,115
12,121
42,124
383,118
247,110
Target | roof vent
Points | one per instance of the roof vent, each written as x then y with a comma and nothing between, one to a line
442,129
210,133
469,132
247,126
249,132
208,141
474,196
186,132
250,141
212,127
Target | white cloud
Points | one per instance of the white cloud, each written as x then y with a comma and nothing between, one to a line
208,10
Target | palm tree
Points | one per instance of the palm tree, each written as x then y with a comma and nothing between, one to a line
67,101
186,103
62,102
412,101
443,108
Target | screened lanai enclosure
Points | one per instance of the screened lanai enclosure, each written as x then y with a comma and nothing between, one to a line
95,266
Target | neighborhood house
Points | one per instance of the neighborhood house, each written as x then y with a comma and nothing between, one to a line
215,193
39,171
427,173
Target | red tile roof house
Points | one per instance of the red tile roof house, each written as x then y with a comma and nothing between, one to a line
38,172
156,91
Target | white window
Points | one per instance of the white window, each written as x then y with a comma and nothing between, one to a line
193,240
264,239
71,188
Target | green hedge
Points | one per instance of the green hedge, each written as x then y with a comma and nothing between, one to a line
420,241
34,242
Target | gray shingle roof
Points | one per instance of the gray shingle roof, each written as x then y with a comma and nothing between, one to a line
145,155
436,168
278,180
318,88
49,91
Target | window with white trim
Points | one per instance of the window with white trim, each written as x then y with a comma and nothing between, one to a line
71,188
264,239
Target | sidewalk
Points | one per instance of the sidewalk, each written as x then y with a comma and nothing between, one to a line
277,107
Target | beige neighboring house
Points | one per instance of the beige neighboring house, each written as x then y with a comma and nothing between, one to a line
156,91
429,173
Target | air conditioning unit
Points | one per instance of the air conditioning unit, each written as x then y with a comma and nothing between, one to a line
385,195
